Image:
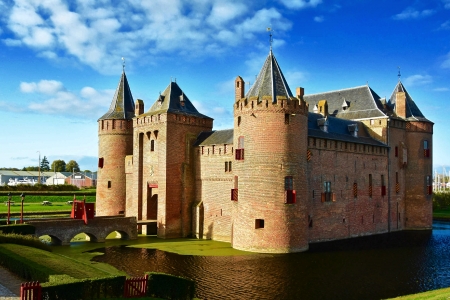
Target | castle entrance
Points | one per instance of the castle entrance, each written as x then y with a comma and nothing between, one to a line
151,209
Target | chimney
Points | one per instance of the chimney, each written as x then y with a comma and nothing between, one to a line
323,108
139,107
300,92
400,104
239,88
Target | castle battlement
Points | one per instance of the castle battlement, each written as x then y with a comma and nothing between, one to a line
291,105
114,127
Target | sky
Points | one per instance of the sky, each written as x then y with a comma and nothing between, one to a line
61,61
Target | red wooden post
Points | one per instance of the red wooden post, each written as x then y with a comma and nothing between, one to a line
21,211
9,208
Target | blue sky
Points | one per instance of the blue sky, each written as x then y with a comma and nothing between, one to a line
61,60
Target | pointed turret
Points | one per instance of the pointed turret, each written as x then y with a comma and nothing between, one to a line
404,106
115,142
270,81
122,104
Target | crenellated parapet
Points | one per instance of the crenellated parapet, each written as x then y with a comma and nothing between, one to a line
287,105
115,127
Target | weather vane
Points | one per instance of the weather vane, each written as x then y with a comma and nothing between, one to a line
399,74
270,30
123,64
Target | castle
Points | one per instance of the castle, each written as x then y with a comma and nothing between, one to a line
294,169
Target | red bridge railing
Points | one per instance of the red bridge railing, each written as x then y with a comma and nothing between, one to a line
135,287
30,291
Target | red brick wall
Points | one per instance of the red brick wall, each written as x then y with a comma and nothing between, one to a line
418,205
213,188
273,150
341,165
115,142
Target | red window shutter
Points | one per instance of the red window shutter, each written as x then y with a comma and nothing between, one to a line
426,152
323,197
430,189
383,190
234,194
290,196
100,162
333,197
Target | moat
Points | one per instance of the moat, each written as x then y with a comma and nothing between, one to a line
374,267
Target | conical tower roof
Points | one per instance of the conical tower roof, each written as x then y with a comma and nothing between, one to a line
412,110
174,100
122,104
270,81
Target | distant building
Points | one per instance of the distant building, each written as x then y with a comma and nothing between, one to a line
7,176
82,179
293,169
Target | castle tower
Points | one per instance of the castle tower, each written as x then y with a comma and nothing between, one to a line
163,181
414,155
115,141
270,184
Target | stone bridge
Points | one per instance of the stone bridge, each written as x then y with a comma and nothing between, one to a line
62,230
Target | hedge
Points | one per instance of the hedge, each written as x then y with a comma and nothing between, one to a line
64,287
441,200
167,286
17,228
24,240
23,267
39,187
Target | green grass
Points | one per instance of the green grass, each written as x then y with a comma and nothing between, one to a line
36,207
430,295
60,264
442,213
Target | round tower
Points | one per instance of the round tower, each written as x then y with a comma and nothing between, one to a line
270,184
115,141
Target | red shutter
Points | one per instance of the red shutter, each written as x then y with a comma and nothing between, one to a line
383,190
430,189
323,197
234,194
290,196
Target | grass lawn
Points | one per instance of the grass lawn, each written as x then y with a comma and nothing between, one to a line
442,213
60,264
430,295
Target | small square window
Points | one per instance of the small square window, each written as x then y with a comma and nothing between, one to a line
259,223
109,184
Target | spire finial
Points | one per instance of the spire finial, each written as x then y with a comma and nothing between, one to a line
399,75
123,64
270,30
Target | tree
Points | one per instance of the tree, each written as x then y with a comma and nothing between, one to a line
45,165
58,165
72,166
31,168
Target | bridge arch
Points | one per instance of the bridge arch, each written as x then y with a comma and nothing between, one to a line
51,239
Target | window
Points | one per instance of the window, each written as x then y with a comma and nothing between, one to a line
203,150
290,193
397,184
228,166
213,149
234,192
152,145
383,186
370,185
286,119
327,195
426,149
100,162
109,184
239,153
239,120
259,223
355,190
396,151
429,185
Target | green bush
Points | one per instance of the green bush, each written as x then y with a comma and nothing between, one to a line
170,287
63,287
24,240
23,267
441,200
17,228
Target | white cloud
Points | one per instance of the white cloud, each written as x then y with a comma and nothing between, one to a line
51,97
411,13
319,19
295,79
446,3
445,25
300,4
442,89
446,63
415,80
97,33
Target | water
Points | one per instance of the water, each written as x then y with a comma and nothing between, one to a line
374,267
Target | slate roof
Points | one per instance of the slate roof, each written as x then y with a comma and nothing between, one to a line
413,113
215,137
362,102
270,81
174,100
122,104
338,130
